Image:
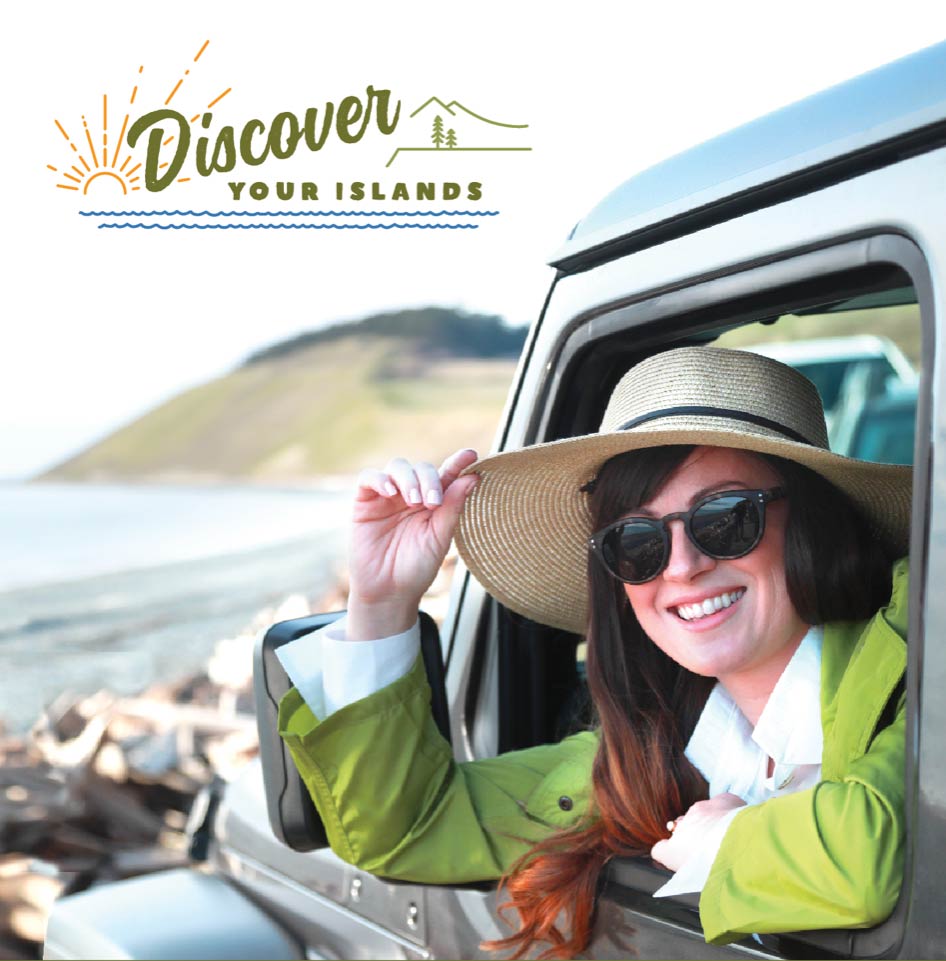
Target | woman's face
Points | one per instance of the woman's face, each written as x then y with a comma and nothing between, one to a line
754,638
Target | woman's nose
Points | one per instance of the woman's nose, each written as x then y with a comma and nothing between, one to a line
686,559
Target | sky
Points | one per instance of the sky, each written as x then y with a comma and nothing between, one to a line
100,325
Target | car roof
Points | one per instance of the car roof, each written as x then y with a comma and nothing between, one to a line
848,120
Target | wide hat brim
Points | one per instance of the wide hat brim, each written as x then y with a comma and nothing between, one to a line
524,529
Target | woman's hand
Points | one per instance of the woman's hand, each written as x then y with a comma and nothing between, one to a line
403,522
690,830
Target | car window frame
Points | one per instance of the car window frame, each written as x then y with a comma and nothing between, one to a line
681,316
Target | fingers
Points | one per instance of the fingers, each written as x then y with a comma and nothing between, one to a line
419,484
445,519
371,482
451,468
689,832
671,851
657,852
430,488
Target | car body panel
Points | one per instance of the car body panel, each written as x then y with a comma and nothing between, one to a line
875,108
171,914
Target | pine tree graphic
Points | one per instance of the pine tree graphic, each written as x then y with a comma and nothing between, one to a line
451,138
438,131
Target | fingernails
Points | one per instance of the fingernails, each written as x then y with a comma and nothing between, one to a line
415,497
433,497
390,489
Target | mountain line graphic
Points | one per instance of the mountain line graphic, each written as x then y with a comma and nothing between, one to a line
443,134
456,103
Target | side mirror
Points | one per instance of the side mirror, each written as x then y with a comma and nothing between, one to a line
292,815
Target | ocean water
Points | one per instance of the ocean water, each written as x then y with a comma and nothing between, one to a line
112,586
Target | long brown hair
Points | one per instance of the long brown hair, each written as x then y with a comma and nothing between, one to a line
647,705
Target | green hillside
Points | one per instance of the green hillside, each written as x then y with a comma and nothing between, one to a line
417,384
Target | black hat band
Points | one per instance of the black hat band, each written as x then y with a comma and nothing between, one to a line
719,412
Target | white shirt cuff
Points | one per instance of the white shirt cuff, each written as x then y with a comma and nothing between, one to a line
331,672
696,869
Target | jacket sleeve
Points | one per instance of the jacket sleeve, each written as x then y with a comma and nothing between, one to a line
828,857
396,803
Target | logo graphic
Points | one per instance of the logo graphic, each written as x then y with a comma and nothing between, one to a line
104,164
458,118
168,139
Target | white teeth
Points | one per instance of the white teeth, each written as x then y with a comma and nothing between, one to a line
693,612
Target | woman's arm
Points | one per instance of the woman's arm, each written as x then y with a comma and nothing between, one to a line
395,802
827,857
391,796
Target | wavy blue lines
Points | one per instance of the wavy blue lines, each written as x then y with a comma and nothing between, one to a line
297,219
133,226
288,213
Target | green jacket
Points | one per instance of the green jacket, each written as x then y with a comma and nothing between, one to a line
396,803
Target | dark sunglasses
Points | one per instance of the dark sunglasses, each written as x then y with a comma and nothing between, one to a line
723,526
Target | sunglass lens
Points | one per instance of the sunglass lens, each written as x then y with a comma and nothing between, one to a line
727,526
634,551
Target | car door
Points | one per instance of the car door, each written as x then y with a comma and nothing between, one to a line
874,239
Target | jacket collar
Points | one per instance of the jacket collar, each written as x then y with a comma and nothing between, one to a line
862,663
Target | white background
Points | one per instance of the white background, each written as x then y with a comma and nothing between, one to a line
100,325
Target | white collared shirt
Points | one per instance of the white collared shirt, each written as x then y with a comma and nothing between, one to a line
734,757
331,672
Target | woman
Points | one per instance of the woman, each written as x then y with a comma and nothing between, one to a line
745,654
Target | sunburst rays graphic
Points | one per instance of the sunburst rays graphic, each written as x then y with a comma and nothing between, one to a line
108,163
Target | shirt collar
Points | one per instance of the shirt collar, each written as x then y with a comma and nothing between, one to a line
789,728
714,746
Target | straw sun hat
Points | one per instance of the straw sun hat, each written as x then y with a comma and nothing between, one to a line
524,530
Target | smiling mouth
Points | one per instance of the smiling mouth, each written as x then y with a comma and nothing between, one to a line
694,612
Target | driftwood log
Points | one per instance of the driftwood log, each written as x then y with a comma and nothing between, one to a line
100,788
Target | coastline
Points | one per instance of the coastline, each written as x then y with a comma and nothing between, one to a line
100,786
129,628
197,480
